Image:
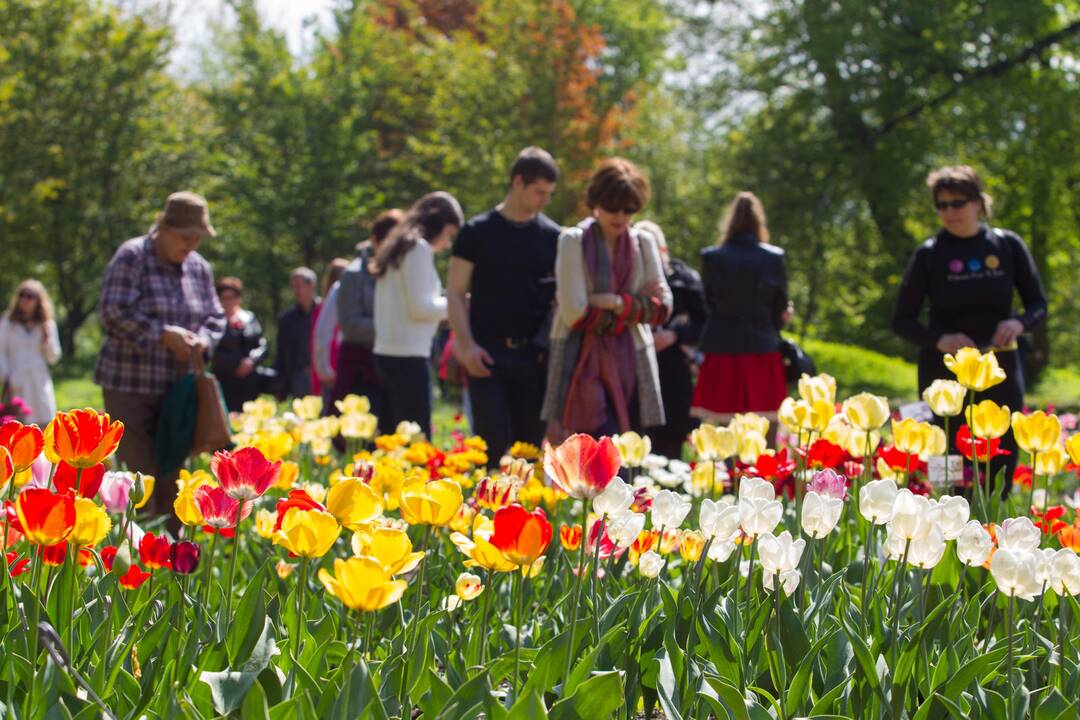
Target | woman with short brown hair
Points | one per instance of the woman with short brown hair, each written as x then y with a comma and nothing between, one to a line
967,274
610,291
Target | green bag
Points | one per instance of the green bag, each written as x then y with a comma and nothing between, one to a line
176,425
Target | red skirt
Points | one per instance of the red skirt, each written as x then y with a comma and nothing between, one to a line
753,382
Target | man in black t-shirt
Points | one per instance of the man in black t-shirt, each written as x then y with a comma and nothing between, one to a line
500,289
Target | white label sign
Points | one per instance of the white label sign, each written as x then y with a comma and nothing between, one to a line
935,469
919,411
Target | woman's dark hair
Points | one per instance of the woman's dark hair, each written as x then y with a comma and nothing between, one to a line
744,215
387,221
230,282
424,221
333,273
962,180
534,164
616,185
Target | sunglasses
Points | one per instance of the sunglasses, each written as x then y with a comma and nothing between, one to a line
628,210
954,204
27,295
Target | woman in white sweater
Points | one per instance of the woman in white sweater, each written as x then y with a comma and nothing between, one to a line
29,343
409,305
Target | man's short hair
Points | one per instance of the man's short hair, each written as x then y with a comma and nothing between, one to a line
534,164
306,273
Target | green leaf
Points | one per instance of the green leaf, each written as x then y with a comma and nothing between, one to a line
585,665
595,699
247,624
730,696
361,694
667,685
551,660
229,687
469,698
972,669
254,705
528,707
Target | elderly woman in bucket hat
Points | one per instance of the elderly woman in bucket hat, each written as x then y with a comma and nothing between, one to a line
158,309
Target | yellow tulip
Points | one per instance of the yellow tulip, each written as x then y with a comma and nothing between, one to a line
714,443
669,542
389,546
361,583
284,569
353,502
743,423
468,586
751,444
705,479
856,442
1051,462
975,370
817,388
290,473
987,419
936,445
307,533
358,425
264,523
387,479
887,473
1073,446
1037,432
307,408
911,436
146,490
92,523
409,430
482,553
273,445
532,570
353,404
837,430
432,503
800,415
632,447
184,505
691,545
463,519
945,397
866,411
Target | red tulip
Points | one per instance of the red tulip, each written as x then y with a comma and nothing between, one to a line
899,460
7,467
520,535
16,566
134,577
246,473
67,477
824,454
218,509
184,556
154,552
979,447
83,438
227,532
53,554
582,466
108,554
24,442
297,499
45,518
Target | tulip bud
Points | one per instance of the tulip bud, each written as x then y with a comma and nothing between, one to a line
122,560
650,564
184,557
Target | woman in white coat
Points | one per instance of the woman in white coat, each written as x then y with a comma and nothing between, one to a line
29,343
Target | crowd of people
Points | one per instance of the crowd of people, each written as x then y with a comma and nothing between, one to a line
551,330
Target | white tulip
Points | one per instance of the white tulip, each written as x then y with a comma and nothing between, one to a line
650,564
780,556
669,509
974,544
789,581
927,552
876,501
820,514
721,550
625,527
755,487
758,516
1015,571
1018,533
719,519
666,478
910,515
1065,572
952,515
654,461
615,500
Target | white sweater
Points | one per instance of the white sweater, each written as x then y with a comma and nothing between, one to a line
409,303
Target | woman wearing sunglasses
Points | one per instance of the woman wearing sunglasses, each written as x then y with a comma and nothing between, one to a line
29,343
610,291
967,274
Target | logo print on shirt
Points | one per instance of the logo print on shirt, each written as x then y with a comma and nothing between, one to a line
956,266
974,265
992,262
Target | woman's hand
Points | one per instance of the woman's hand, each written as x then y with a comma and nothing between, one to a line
605,301
654,289
951,342
664,339
1007,332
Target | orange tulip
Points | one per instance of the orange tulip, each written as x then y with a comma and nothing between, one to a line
570,537
7,468
83,438
24,442
521,536
46,518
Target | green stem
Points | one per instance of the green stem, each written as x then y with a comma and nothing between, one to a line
232,567
483,629
1008,675
1033,458
577,589
301,591
593,580
519,581
1062,639
780,663
898,596
209,575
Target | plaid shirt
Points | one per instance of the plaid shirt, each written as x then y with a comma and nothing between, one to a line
140,295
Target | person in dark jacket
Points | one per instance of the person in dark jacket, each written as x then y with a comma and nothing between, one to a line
240,350
356,319
676,342
966,274
293,360
745,283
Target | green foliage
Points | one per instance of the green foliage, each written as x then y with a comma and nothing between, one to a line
857,369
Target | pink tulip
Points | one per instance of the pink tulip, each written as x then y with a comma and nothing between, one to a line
115,491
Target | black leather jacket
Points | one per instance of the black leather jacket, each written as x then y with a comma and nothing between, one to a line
745,296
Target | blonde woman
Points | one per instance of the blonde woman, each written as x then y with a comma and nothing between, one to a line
29,343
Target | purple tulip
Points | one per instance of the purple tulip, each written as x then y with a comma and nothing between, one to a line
829,484
184,556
